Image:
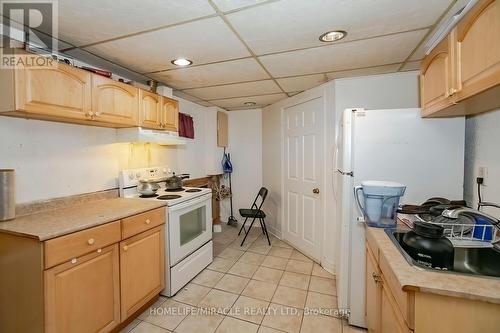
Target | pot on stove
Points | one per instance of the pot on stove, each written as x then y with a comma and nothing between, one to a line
173,183
147,187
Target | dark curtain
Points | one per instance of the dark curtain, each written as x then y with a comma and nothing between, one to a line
186,126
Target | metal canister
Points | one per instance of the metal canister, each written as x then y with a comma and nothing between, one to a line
7,194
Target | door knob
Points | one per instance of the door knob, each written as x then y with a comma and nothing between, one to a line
316,190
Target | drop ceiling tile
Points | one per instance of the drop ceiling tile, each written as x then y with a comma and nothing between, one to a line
202,41
235,90
208,75
39,38
411,66
185,96
89,21
294,24
364,71
228,5
299,83
204,103
364,53
235,103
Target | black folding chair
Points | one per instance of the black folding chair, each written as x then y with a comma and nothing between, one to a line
254,213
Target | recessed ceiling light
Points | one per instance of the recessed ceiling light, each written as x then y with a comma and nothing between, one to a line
332,36
250,104
182,62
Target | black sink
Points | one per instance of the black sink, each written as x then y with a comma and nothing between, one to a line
471,261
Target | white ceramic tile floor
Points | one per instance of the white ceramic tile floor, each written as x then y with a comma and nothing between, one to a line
255,288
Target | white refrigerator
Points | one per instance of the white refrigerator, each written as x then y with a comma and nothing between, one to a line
397,145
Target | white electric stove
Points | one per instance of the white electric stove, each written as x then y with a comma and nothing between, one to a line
188,238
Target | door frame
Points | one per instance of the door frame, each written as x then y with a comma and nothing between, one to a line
325,92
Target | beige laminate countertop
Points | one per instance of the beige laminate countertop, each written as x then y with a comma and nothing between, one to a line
442,283
62,221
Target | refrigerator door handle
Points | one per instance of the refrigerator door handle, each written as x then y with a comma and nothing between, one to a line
358,202
345,173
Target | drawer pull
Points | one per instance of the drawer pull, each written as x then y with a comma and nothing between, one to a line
148,221
125,248
73,261
91,241
99,250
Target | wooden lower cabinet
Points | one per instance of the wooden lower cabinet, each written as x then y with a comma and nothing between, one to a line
83,295
391,321
390,309
373,292
91,280
142,269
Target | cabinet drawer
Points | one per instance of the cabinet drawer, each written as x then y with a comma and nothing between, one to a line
138,223
63,248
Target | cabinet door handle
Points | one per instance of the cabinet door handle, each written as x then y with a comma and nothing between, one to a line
91,241
148,221
376,277
125,248
316,190
452,91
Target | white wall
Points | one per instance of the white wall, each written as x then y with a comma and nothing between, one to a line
399,90
54,159
245,147
482,137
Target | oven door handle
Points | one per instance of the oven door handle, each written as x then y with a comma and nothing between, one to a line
191,202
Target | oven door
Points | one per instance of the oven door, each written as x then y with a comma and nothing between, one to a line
190,227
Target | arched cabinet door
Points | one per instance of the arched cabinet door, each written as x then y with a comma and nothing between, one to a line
58,91
150,110
114,102
436,78
170,114
478,47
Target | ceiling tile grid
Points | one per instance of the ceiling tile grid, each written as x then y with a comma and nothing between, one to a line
250,50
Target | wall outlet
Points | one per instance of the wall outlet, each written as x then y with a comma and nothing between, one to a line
482,173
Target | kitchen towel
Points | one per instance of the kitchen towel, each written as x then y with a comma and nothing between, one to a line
186,126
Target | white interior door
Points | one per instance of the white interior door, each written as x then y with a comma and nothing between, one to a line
303,176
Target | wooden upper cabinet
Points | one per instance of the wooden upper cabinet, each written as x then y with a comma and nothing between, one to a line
59,91
461,75
222,129
478,45
437,79
83,295
114,102
170,114
142,269
150,107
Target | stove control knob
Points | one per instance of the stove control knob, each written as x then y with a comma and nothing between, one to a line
131,176
137,175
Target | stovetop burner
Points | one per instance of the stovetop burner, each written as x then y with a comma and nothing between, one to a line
191,190
148,195
175,190
169,197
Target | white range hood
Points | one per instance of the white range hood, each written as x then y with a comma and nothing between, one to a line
138,134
